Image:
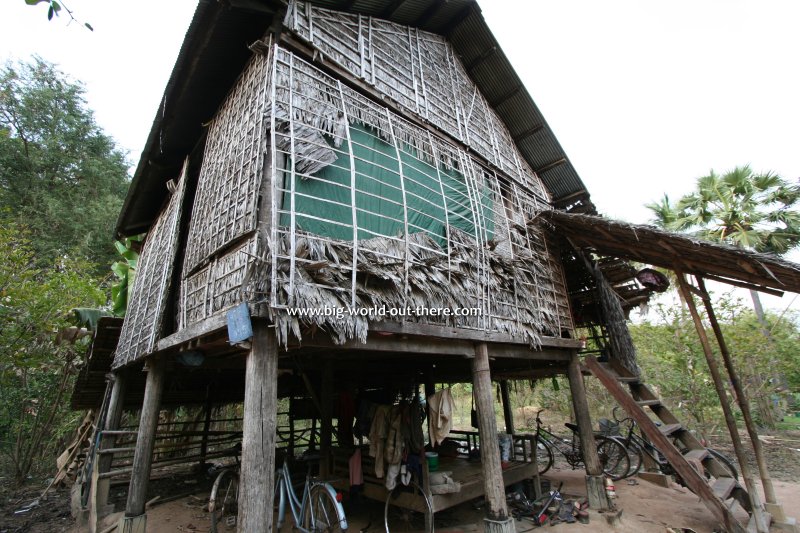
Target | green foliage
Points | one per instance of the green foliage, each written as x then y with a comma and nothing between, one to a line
54,9
125,272
672,359
740,207
36,373
60,175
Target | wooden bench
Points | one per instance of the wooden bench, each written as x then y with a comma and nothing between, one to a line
521,467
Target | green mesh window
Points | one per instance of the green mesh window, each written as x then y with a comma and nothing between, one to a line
323,203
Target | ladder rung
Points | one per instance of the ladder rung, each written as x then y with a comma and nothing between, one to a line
696,455
723,487
648,403
669,429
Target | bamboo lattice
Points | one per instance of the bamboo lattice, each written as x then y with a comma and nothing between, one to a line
147,302
301,120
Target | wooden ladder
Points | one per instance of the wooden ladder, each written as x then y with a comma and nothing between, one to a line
713,496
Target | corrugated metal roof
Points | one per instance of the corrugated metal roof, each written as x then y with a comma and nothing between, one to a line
215,51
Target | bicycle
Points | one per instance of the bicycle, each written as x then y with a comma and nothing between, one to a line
409,520
319,510
223,503
613,455
638,447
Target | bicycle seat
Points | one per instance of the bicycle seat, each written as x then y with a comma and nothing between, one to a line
570,425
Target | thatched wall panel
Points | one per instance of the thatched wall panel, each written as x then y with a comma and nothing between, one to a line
420,72
227,190
492,263
151,286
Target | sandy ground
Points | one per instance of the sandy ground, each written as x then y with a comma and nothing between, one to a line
646,508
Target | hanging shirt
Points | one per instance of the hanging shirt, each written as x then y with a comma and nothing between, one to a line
441,408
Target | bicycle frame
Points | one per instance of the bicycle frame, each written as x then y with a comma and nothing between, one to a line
286,493
573,455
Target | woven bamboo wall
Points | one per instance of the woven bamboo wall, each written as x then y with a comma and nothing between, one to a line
420,72
147,302
498,267
287,116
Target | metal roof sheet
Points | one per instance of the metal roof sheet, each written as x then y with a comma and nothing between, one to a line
215,50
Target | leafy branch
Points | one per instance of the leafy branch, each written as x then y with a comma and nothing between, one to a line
54,9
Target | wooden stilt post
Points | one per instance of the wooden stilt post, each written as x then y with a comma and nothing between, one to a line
497,519
773,507
257,478
135,520
326,425
730,421
595,482
98,492
508,414
206,427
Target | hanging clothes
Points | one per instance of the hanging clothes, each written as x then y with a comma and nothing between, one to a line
356,474
441,408
377,437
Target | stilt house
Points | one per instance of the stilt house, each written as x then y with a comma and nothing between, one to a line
343,195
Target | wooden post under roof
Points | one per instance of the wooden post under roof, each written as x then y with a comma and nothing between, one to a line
98,496
595,482
497,519
326,425
257,478
135,519
730,421
508,414
773,507
206,427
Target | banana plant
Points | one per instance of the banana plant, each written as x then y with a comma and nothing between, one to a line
125,271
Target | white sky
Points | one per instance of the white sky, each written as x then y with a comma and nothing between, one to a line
643,96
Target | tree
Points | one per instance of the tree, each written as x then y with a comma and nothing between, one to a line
742,208
36,370
60,174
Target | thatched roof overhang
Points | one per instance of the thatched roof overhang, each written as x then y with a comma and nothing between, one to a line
215,50
654,246
91,382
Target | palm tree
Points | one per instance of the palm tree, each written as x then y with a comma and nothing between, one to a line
742,208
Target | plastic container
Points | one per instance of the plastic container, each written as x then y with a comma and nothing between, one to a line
433,461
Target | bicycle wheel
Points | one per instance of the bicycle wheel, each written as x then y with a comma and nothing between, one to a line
223,504
398,519
544,455
725,461
323,514
634,457
613,458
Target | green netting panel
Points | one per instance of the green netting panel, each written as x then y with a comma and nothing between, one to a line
323,202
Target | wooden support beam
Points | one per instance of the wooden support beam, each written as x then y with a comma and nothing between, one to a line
741,396
257,479
390,11
457,20
508,413
528,133
503,98
478,61
494,488
595,484
99,490
550,166
326,429
206,427
730,421
429,13
145,440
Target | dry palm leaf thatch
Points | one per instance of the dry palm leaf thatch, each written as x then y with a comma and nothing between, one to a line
504,288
